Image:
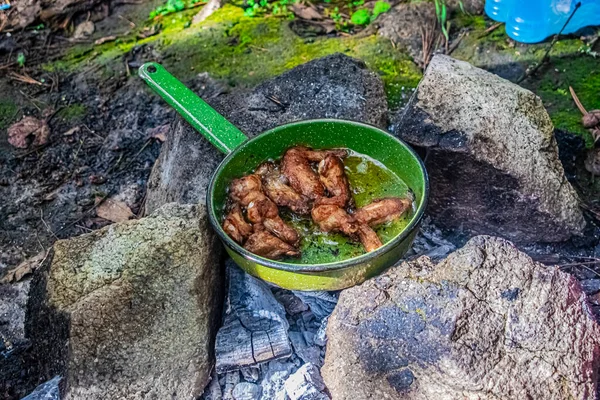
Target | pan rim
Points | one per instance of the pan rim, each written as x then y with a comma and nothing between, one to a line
324,267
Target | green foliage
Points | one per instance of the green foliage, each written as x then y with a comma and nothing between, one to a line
172,6
361,17
8,112
261,7
380,8
441,13
21,59
72,112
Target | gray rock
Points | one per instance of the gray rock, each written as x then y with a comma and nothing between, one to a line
46,391
140,301
493,161
13,311
16,374
254,328
335,86
486,323
246,391
306,384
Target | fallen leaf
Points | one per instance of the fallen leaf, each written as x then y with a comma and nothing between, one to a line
105,39
591,119
72,131
84,30
19,132
114,210
305,12
592,161
159,133
25,268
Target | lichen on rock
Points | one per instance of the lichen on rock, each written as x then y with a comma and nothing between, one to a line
142,300
486,323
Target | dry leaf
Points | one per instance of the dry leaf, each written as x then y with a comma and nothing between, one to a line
25,268
114,210
19,132
160,132
305,12
592,161
84,30
591,119
72,131
105,39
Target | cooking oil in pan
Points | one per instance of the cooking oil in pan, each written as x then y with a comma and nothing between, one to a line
369,180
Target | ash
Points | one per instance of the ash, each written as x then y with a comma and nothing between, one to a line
295,376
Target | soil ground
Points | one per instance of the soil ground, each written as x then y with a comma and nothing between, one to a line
103,120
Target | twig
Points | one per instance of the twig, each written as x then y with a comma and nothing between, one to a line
531,72
456,43
490,30
577,102
46,225
131,23
25,79
580,266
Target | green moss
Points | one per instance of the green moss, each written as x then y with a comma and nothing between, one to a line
463,20
571,64
72,112
245,51
552,85
8,113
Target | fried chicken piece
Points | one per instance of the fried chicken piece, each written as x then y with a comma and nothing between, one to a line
241,187
333,177
236,226
260,209
265,244
382,210
296,168
368,237
332,218
319,155
275,186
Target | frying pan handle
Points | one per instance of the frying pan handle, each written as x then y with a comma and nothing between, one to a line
212,125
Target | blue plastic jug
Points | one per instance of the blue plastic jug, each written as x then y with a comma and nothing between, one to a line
532,21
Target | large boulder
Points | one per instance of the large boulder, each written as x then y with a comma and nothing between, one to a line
486,323
139,303
335,86
493,161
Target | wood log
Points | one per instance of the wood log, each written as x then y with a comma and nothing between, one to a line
254,328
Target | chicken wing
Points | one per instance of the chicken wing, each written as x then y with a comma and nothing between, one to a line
368,237
242,187
319,155
333,177
265,244
296,168
332,218
275,186
236,226
260,209
382,210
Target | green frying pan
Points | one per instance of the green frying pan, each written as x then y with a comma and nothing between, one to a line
243,155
